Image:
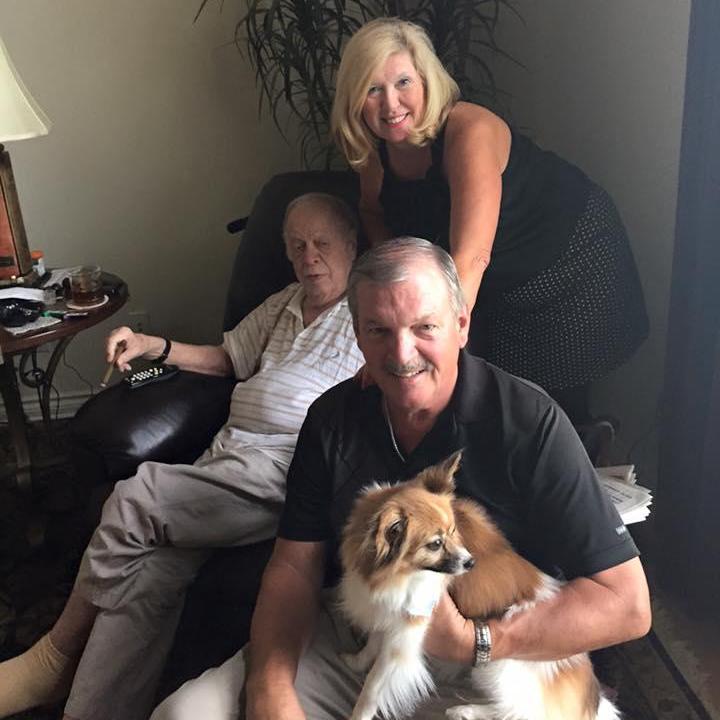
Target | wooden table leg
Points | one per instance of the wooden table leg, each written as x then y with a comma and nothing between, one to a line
41,379
57,353
17,424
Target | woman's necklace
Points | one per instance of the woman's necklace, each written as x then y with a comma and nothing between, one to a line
390,428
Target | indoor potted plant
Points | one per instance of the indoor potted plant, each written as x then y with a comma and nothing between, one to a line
295,48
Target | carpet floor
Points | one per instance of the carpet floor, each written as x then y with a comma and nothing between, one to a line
42,538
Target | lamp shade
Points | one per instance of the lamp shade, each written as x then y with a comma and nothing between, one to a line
20,116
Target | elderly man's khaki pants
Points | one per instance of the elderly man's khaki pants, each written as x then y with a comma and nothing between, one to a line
156,531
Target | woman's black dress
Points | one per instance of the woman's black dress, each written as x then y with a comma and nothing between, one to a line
560,302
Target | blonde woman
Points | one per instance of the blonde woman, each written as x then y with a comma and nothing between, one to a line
541,252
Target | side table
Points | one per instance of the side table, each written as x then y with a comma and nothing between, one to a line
26,346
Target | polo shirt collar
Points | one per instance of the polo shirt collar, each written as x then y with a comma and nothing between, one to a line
468,398
295,304
467,404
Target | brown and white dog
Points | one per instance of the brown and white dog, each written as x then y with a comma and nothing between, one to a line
402,547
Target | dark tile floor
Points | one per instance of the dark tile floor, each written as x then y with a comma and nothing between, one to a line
42,538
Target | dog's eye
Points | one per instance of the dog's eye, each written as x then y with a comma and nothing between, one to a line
434,545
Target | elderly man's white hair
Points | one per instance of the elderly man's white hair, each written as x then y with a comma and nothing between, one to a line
336,207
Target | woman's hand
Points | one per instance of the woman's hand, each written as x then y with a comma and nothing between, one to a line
450,636
470,274
124,345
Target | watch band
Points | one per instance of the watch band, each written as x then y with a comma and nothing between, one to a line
483,643
163,356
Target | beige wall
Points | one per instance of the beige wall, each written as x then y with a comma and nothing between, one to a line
604,86
155,145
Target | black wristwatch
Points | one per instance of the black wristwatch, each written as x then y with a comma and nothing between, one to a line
163,356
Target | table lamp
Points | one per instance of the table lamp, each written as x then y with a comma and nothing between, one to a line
20,118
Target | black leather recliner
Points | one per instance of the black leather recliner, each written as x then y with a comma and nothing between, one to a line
175,420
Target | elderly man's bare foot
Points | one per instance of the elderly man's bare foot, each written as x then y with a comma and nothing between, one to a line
40,676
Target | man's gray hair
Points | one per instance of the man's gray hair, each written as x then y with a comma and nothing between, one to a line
392,261
343,214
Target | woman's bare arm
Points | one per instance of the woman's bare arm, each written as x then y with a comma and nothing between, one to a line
477,146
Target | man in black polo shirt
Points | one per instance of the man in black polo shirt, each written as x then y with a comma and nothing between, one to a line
522,460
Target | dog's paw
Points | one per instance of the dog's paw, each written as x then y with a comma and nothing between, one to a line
471,712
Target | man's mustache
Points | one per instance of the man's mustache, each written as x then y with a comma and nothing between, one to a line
407,368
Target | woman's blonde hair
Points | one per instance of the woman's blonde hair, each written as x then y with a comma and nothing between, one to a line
366,50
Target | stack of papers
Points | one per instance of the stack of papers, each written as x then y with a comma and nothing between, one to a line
631,500
22,293
39,324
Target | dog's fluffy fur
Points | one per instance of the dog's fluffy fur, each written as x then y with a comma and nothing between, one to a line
402,547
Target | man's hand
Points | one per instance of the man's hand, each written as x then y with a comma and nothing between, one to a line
273,703
136,345
450,635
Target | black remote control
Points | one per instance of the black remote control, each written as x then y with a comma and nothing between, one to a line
150,375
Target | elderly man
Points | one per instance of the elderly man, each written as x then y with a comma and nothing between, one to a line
522,460
156,527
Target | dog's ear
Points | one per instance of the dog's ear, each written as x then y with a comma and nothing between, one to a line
438,478
390,534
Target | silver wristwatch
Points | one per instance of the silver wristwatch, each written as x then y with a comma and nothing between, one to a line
483,643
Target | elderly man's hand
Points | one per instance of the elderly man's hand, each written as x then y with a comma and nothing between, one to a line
124,345
450,635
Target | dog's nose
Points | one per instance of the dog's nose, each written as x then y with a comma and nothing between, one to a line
469,564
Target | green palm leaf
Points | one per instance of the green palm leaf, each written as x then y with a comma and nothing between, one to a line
294,47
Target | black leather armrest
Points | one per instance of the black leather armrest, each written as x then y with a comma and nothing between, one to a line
170,421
